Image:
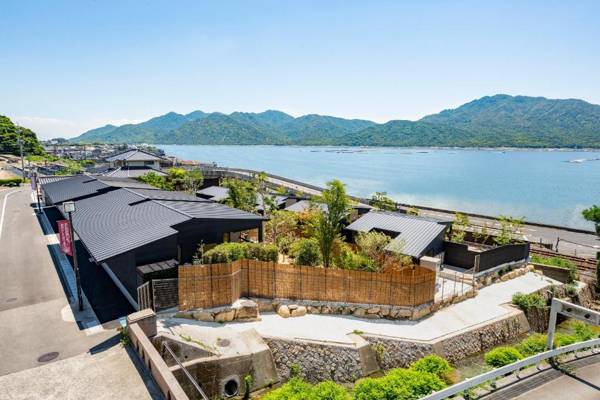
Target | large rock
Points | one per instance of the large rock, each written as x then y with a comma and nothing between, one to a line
245,309
284,311
359,312
225,316
299,311
203,316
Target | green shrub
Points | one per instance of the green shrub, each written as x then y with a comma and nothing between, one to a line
434,364
583,331
228,252
306,252
501,356
401,384
533,344
294,389
11,182
528,301
329,390
562,339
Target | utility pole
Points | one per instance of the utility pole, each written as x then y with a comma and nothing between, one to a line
20,140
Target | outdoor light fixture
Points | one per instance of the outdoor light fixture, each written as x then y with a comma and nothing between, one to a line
69,206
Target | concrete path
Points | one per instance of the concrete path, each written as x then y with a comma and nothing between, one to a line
113,374
486,306
37,318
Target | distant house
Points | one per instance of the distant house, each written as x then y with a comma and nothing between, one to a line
134,163
411,235
123,227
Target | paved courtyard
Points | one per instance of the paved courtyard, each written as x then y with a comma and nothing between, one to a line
489,304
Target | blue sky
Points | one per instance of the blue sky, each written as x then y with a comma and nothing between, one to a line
68,66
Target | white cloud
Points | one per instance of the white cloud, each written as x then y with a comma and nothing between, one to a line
48,128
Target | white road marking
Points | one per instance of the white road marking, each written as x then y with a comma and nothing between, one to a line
4,209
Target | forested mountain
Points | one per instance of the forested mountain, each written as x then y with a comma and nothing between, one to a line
492,121
9,136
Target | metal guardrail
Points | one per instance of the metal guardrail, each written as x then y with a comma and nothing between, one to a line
186,372
507,369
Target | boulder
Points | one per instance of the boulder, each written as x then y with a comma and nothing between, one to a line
313,310
325,310
203,316
373,310
299,311
292,307
225,315
246,309
359,312
283,311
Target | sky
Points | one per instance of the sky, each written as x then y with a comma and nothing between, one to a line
69,66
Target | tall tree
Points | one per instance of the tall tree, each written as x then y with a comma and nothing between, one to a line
264,197
10,135
328,223
193,180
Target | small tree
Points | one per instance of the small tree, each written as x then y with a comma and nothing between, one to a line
459,228
281,225
328,221
372,245
265,199
192,181
381,201
592,214
176,176
242,194
509,226
412,211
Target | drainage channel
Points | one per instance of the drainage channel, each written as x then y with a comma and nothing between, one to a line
186,372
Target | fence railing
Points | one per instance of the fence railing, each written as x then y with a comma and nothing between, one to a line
507,369
204,286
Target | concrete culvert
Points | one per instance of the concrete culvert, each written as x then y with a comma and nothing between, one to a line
231,387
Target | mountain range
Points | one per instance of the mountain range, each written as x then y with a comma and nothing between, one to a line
491,121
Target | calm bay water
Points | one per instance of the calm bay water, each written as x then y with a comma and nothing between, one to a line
542,186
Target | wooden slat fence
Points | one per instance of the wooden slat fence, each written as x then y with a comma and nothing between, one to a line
205,286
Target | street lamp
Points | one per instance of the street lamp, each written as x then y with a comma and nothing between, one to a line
69,207
20,142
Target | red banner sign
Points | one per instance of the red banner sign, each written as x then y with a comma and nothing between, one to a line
64,237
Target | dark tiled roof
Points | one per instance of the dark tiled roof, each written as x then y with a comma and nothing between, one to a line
216,193
124,182
415,234
134,155
304,205
53,178
157,266
118,221
132,172
209,210
156,194
73,188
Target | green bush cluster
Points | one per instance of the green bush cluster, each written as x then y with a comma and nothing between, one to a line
297,389
532,345
227,252
11,182
528,301
424,376
503,355
306,252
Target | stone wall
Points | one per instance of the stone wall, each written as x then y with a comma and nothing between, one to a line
317,361
400,353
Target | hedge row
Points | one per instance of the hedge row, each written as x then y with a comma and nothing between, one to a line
228,252
11,182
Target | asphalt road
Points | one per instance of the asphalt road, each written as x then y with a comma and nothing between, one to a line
35,315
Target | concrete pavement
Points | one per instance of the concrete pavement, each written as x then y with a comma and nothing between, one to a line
36,317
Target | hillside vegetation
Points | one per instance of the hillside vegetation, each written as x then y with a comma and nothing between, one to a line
492,121
9,139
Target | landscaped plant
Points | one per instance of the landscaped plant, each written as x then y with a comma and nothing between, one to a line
509,226
192,181
11,182
282,227
528,301
501,356
436,365
306,252
381,201
242,194
328,222
372,245
532,345
265,198
329,390
592,214
345,258
228,252
562,339
294,389
459,228
400,383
